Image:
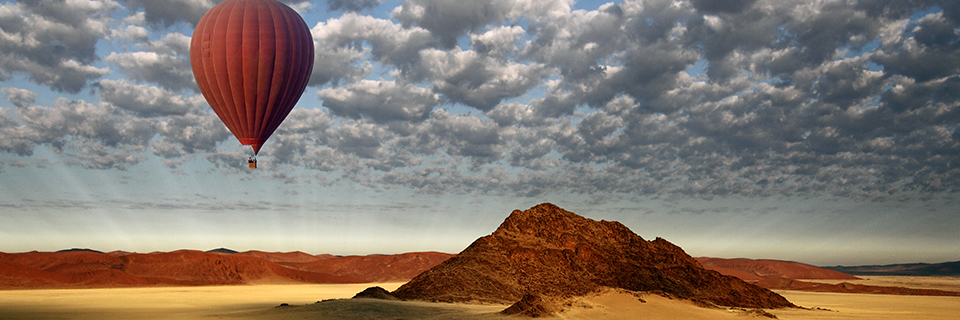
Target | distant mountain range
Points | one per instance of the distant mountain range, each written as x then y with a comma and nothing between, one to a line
906,269
86,268
755,270
787,275
533,251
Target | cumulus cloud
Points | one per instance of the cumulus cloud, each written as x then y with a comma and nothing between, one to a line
390,43
500,42
165,62
448,20
477,81
639,97
92,135
465,136
188,134
351,5
169,12
147,101
381,101
516,113
53,43
932,53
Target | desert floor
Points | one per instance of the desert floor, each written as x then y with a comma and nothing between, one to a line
167,302
262,302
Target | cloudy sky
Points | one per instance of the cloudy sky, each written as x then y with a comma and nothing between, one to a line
819,131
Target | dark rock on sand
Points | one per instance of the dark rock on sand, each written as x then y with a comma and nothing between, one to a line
531,305
375,293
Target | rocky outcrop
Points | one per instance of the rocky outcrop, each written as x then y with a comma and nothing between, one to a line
531,305
549,251
375,293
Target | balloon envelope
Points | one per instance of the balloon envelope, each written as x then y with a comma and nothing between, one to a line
252,60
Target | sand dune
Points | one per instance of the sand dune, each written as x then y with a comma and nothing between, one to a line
261,301
78,269
351,309
609,304
165,302
868,307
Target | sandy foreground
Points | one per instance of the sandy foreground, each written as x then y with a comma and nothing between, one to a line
167,302
262,301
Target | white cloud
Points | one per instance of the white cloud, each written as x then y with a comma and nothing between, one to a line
381,101
500,42
53,44
131,33
391,44
148,101
169,12
170,71
189,134
89,135
475,80
351,5
699,98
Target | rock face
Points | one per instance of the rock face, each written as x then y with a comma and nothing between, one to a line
553,252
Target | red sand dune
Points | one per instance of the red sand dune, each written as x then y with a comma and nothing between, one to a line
64,262
280,257
14,275
202,268
376,268
755,270
88,269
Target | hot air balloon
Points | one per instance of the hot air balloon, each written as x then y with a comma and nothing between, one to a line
252,60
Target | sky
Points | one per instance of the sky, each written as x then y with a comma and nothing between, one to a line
816,131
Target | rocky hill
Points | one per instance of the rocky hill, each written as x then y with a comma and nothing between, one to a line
552,252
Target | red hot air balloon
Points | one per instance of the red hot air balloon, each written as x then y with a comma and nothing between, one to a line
252,60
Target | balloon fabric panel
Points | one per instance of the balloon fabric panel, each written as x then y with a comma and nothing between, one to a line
252,60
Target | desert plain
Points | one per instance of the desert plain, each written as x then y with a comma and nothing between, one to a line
303,301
